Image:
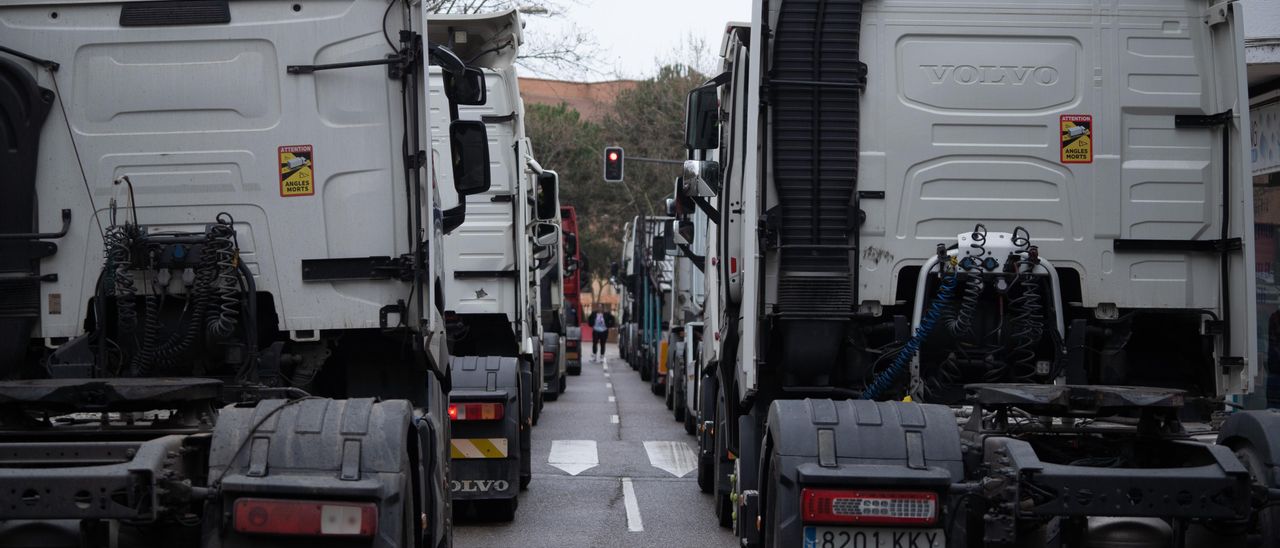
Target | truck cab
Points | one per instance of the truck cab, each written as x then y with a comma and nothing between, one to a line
498,257
212,247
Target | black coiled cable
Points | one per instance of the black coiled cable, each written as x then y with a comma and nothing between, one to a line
222,323
119,259
1028,326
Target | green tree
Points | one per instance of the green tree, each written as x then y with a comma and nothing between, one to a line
648,121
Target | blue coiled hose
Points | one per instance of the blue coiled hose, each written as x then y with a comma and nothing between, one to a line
885,379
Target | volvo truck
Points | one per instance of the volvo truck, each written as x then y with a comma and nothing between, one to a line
222,257
986,274
496,259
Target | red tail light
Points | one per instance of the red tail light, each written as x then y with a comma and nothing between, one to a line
475,411
306,518
548,356
733,265
841,506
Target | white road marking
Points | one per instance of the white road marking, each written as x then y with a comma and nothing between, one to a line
673,456
608,385
634,523
606,374
613,419
612,399
573,456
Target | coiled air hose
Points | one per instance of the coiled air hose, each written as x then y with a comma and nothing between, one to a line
885,379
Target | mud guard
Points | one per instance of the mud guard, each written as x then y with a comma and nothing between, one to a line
1261,429
313,448
497,380
858,443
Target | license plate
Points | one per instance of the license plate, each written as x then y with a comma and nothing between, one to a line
872,537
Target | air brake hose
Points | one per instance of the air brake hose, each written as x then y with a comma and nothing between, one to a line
885,379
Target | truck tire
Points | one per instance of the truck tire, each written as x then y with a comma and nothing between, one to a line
1265,529
679,412
769,502
690,423
564,384
669,395
645,374
724,506
526,460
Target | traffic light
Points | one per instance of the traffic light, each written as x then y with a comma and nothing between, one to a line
613,158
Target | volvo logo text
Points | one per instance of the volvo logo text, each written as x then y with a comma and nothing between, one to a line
1007,75
479,486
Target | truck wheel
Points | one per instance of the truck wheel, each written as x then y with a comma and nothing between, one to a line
724,507
655,387
644,373
552,395
1264,530
690,423
564,384
768,499
670,395
526,460
679,410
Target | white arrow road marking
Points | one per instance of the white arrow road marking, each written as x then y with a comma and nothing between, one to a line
634,523
573,456
673,456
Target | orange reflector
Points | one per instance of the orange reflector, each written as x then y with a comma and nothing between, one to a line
312,518
475,411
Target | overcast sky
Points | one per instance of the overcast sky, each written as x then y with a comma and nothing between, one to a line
634,35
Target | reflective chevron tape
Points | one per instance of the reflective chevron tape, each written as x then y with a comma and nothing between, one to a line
478,448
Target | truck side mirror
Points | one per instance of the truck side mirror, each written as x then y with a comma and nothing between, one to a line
684,232
548,193
466,87
671,207
570,244
701,178
469,141
702,123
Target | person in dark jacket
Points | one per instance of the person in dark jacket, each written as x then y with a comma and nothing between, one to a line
600,322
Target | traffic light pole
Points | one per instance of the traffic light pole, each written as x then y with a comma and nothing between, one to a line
654,160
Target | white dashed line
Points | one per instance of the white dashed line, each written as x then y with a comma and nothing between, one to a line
613,419
634,523
608,385
612,399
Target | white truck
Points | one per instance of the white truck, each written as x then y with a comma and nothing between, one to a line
496,261
221,290
986,272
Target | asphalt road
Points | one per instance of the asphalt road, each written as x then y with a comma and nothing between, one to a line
642,489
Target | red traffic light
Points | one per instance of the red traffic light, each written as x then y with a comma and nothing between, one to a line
613,163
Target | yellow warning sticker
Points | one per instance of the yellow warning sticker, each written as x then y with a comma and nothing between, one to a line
1077,138
297,171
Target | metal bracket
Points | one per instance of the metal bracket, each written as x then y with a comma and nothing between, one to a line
1202,120
66,226
366,268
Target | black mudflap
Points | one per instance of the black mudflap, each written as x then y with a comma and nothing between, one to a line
315,448
854,444
815,83
24,106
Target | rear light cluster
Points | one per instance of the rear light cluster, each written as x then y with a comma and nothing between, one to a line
311,518
475,411
548,356
841,506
